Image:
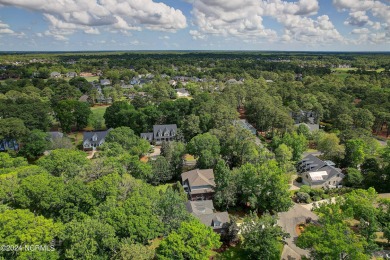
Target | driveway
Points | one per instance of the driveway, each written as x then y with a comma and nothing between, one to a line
288,221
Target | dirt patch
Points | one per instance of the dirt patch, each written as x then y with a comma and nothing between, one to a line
300,228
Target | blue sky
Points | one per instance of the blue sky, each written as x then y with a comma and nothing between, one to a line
306,25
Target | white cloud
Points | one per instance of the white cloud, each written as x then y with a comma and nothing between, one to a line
244,18
92,30
74,15
360,31
373,13
4,28
358,18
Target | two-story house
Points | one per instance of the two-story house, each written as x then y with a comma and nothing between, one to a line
161,133
318,173
199,184
94,139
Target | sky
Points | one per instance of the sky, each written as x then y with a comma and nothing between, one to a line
300,25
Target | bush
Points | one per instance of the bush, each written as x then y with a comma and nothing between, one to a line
305,188
325,196
317,198
303,197
316,192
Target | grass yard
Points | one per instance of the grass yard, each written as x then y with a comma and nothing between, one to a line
96,119
76,138
92,78
232,253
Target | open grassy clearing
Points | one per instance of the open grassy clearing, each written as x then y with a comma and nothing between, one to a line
96,119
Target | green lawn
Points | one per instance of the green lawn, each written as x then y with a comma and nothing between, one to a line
232,253
92,78
97,115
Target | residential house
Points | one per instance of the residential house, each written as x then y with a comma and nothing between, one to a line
54,135
94,139
105,82
204,211
161,133
172,83
55,74
71,74
234,81
6,145
199,184
182,92
245,124
308,118
318,173
84,98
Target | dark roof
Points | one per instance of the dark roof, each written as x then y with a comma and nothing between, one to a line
200,207
147,136
312,163
55,134
171,130
8,145
205,212
100,135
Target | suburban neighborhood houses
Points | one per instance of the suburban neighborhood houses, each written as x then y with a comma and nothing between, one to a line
195,155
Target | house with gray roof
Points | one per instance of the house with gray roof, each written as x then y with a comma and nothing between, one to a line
182,92
105,82
55,74
199,184
94,139
9,144
204,211
161,133
71,74
318,173
307,118
54,135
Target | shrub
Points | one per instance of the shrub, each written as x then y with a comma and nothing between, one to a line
303,197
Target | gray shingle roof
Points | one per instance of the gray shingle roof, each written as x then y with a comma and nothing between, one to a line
95,137
55,134
164,130
312,163
205,212
147,136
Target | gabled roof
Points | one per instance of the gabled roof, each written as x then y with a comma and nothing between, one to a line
205,212
199,177
147,136
318,170
200,207
55,134
163,129
100,135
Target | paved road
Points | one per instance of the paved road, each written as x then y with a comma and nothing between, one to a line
288,221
